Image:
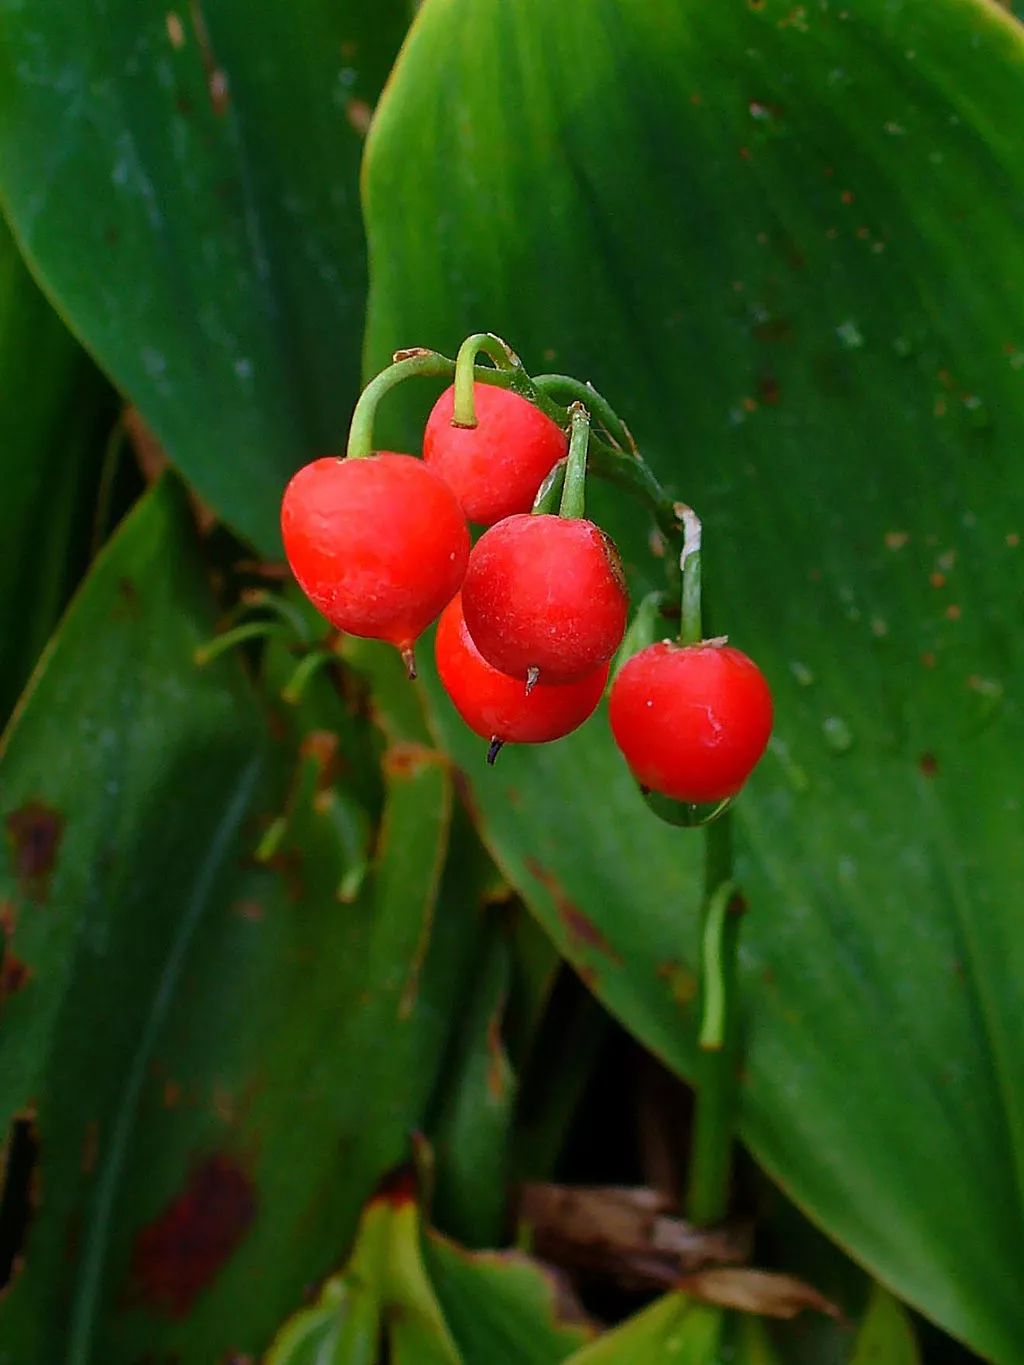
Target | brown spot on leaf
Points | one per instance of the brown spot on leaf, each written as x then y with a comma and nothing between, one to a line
250,910
13,971
407,760
34,832
768,390
497,1070
216,79
397,1188
928,764
175,30
181,1252
682,982
581,930
359,115
321,748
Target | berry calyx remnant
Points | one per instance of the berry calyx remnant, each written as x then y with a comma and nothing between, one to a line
498,707
692,721
497,466
379,545
546,593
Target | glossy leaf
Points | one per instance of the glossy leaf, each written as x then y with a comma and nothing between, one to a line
183,181
55,405
218,1057
746,225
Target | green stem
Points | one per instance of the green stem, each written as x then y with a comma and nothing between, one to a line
425,364
551,384
481,343
220,644
715,1077
574,493
294,688
626,471
691,629
637,478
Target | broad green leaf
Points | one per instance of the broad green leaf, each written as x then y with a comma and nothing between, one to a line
53,406
182,178
125,782
886,1335
502,1307
672,1328
746,224
218,1057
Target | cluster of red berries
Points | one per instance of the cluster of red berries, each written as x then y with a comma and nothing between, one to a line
531,615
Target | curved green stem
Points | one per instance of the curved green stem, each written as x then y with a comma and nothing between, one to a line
691,630
637,478
626,471
310,664
481,343
220,644
715,1073
409,365
585,393
574,493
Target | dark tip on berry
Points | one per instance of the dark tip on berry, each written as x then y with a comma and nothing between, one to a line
409,659
532,677
494,749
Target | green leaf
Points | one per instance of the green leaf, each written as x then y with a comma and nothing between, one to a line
470,1135
673,1327
381,1306
216,1056
52,417
746,226
501,1306
183,181
886,1335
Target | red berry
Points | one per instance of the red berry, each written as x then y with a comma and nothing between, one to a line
545,593
691,720
378,545
498,707
497,466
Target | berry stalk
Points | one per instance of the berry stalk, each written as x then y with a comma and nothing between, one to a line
481,343
585,393
629,472
574,491
410,365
